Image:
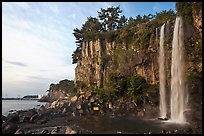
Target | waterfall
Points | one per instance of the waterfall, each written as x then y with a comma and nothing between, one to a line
178,93
162,77
156,36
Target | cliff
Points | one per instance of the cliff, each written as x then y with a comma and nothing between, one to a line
100,58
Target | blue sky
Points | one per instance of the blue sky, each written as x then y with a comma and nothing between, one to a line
37,40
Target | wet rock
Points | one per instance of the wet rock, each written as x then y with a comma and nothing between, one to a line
3,118
189,130
26,115
70,131
34,118
9,128
73,99
160,118
73,114
12,110
55,130
24,119
42,121
102,112
176,131
46,112
14,118
19,131
140,113
81,112
164,131
132,105
45,131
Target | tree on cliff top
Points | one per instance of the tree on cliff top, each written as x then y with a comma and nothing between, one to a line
109,17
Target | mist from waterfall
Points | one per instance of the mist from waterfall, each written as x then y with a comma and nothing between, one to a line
162,76
178,93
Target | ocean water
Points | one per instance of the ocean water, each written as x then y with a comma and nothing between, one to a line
8,105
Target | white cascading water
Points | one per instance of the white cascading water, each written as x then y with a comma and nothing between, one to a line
162,76
178,93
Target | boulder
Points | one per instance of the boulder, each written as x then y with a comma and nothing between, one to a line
28,114
42,121
92,99
34,118
3,118
78,107
24,119
70,131
110,106
9,128
55,130
88,94
54,104
19,131
45,131
14,118
73,99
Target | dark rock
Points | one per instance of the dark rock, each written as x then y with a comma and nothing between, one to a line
42,121
9,128
14,118
164,131
162,118
12,110
24,119
189,130
19,131
28,113
70,131
45,131
34,118
46,112
55,130
3,118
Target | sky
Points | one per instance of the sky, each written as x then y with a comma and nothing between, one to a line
37,40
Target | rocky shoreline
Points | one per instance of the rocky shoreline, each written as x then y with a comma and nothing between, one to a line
65,116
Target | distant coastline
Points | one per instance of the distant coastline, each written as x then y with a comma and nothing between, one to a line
11,98
27,97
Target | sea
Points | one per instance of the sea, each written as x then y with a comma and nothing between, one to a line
8,105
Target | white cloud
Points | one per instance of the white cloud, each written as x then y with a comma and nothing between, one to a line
155,8
42,41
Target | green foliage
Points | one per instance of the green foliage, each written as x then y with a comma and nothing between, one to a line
76,56
91,28
145,39
117,83
184,9
137,85
122,22
109,17
197,7
110,35
132,85
66,86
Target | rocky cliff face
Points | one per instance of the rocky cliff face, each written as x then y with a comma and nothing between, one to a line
100,58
